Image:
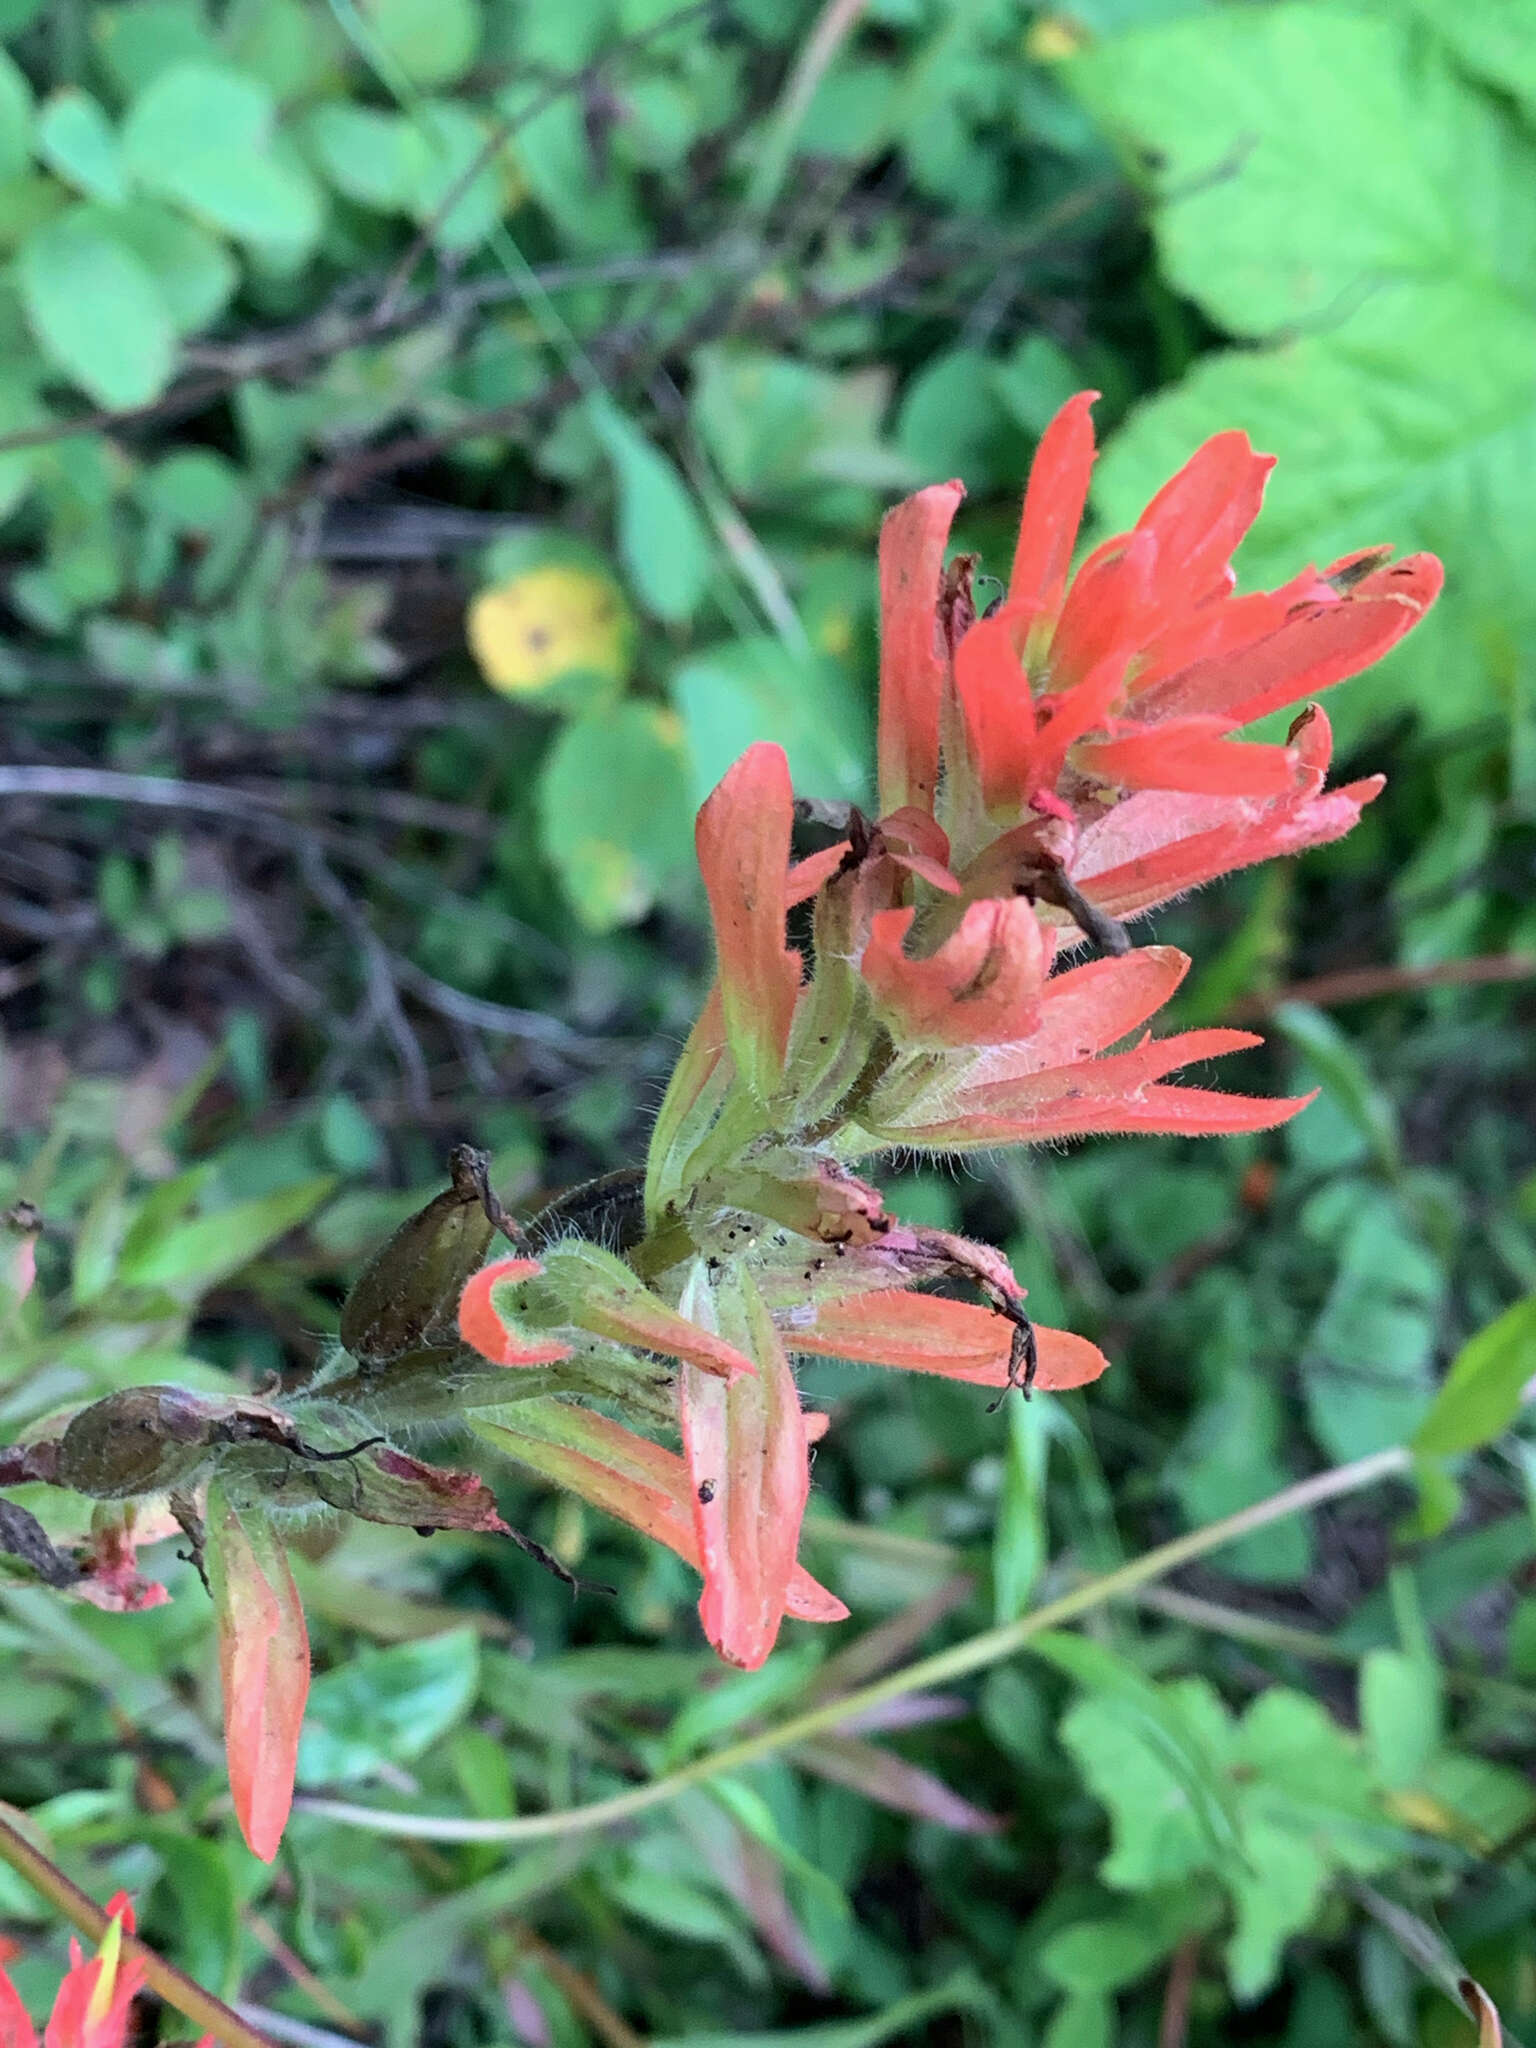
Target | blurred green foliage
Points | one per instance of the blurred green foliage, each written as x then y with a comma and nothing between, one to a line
397,304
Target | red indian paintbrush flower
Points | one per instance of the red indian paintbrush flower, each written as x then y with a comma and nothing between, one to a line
1087,725
1065,762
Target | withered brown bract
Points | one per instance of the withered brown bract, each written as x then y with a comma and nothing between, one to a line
407,1297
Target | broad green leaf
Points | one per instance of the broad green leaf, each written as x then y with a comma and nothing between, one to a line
1400,1715
1336,1063
1368,1356
1493,39
284,43
196,1875
953,422
387,1706
75,138
1481,1395
1228,1458
203,135
429,42
1288,1876
758,689
20,408
1084,2019
450,142
371,157
142,38
662,539
615,818
675,1906
193,271
96,309
1096,1956
15,117
1290,183
1154,1756
207,1249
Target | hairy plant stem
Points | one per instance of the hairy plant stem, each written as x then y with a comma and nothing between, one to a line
211,2014
977,1653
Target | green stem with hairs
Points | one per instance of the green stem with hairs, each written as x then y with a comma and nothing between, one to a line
205,2011
977,1653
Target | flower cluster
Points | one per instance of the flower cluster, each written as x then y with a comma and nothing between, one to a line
953,974
1046,771
94,2003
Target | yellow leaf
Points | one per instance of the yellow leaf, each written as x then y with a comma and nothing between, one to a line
548,622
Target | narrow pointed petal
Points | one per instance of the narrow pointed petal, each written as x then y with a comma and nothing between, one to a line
16,2030
999,710
1053,507
1200,515
981,987
1189,754
913,666
1156,846
742,837
264,1664
1089,1008
1224,628
1318,646
749,1468
1106,610
486,1330
807,876
626,1476
1156,1110
1064,719
957,1340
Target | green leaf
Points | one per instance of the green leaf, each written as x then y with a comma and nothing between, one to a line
1085,2019
1367,1360
1400,1714
15,117
75,138
1337,1065
1395,232
615,819
952,422
96,310
196,1874
193,272
429,42
450,142
1287,183
662,539
902,2021
203,135
1019,1546
759,689
1481,1394
207,1249
387,1706
372,158
142,38
1493,39
1155,1755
